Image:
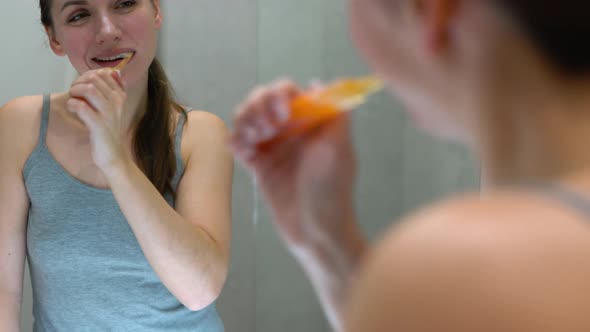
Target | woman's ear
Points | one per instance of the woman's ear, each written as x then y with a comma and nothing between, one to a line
55,45
438,16
158,12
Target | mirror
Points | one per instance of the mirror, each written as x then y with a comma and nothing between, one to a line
214,53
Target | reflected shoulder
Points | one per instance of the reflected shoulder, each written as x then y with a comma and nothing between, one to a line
20,120
205,129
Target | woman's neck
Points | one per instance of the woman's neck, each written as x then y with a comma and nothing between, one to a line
538,135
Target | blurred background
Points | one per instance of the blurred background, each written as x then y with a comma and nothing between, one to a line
215,52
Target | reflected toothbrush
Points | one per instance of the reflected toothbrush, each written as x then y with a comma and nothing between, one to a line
122,64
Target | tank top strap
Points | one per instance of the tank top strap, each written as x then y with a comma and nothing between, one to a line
566,197
44,119
177,144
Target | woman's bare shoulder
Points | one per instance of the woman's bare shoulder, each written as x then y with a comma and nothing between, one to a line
508,261
199,121
204,131
20,106
20,121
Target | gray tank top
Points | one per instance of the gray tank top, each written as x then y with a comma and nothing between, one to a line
87,268
568,198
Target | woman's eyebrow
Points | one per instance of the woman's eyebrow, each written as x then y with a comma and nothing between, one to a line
73,3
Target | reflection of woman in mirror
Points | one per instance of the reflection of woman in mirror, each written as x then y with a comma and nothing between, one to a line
510,79
127,193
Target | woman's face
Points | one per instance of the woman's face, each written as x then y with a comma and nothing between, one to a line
406,43
94,33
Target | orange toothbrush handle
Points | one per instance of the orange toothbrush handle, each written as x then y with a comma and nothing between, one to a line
306,109
307,113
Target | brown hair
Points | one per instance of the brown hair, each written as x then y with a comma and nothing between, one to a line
153,143
558,28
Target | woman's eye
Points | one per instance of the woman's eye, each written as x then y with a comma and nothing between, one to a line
126,4
77,17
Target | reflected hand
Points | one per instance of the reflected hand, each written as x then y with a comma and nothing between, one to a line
98,97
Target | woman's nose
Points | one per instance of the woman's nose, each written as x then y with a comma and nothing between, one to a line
108,30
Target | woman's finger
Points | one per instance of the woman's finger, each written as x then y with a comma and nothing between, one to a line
92,94
85,112
112,78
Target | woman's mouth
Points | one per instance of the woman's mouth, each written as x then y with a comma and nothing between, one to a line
112,61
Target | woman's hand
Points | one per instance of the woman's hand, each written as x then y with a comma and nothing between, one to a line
98,98
307,178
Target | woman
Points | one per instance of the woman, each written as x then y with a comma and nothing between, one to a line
510,79
119,196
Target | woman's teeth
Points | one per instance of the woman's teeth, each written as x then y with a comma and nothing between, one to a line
117,57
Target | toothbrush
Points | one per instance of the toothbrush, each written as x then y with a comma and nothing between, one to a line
119,68
122,64
344,94
314,108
